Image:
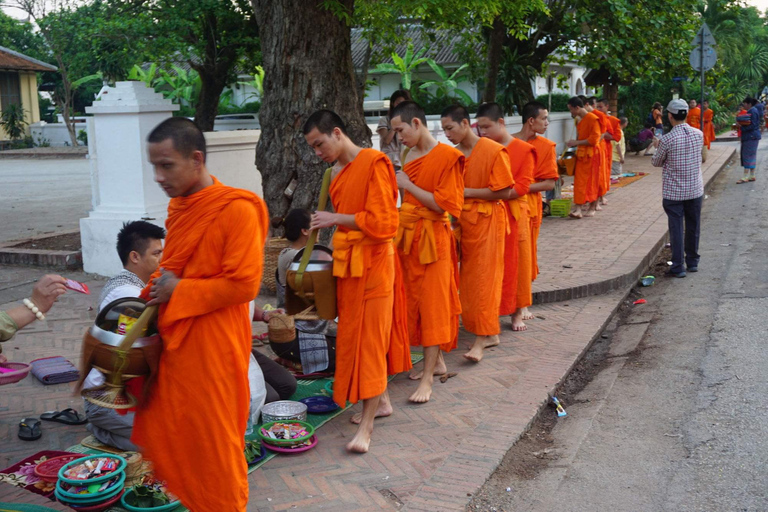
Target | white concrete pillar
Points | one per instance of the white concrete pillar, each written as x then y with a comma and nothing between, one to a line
122,178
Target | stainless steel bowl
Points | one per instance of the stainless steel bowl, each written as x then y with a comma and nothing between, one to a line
283,410
320,259
108,318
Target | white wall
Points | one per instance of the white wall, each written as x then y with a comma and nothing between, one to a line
231,158
56,134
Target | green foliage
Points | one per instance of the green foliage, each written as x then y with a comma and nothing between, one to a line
180,86
405,66
559,101
82,136
252,107
257,82
12,121
22,37
447,85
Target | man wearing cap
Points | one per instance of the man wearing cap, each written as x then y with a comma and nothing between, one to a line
678,153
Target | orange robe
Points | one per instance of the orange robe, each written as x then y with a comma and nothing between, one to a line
588,160
427,248
516,289
709,128
613,127
372,338
546,169
193,422
606,151
483,230
694,118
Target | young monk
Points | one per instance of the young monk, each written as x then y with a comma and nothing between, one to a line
605,168
612,134
588,159
516,289
433,189
709,126
483,226
372,335
535,123
194,420
694,115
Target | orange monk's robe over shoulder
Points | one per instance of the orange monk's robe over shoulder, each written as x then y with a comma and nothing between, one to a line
427,248
606,151
588,160
613,127
546,169
709,128
483,230
694,118
516,287
372,336
193,422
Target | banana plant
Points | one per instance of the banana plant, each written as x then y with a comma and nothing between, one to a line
447,85
182,86
404,66
148,77
257,83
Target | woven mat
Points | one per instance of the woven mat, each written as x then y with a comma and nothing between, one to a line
305,389
623,182
22,507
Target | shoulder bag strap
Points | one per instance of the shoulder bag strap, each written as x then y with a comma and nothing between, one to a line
307,254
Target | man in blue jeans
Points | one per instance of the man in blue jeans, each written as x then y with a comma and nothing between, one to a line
679,154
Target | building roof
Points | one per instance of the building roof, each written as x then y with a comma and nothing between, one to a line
444,49
15,61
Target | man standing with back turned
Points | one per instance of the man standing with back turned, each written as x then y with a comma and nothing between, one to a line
679,155
192,426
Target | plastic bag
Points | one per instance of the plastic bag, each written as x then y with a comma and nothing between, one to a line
258,394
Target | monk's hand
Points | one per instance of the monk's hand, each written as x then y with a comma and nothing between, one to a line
571,143
162,287
403,181
322,220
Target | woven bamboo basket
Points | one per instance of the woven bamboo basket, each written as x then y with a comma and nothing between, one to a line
282,328
272,250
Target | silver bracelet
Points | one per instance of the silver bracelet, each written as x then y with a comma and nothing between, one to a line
31,306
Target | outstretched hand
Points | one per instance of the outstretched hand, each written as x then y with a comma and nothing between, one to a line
163,287
47,290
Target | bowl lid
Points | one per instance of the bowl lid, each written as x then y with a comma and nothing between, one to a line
108,318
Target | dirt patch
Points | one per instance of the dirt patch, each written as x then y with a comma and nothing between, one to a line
68,242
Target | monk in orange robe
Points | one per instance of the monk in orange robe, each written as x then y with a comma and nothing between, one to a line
432,187
535,122
709,125
588,159
483,227
612,133
694,115
372,337
516,293
605,165
194,419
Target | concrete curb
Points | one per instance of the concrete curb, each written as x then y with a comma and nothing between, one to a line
64,260
629,278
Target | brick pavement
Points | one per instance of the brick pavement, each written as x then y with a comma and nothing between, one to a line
427,457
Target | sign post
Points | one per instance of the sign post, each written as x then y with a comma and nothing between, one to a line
703,58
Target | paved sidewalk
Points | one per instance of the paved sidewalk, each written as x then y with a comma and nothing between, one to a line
426,457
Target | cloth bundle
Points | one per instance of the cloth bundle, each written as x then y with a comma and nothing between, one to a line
313,351
54,370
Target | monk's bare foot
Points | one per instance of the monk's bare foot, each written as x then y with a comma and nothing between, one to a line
590,212
598,208
475,354
361,441
603,201
527,315
517,321
384,410
423,393
440,369
576,214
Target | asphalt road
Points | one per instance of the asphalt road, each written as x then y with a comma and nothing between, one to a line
677,418
43,196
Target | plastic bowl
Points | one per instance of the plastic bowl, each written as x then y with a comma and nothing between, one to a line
99,507
120,467
283,410
74,497
285,442
129,492
88,499
329,386
48,470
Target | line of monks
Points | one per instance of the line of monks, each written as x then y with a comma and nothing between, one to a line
694,119
402,278
595,129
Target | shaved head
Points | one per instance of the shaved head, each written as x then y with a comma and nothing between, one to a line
407,111
492,111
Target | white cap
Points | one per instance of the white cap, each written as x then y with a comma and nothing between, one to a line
677,106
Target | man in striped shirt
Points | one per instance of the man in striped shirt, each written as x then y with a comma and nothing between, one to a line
679,153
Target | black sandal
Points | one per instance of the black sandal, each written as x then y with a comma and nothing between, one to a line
29,429
67,417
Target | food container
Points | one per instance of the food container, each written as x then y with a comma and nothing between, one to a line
48,470
64,494
129,492
283,410
307,431
72,481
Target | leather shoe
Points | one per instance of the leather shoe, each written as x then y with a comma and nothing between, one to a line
669,273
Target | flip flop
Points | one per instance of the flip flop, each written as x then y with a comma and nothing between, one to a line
29,429
742,180
67,417
751,179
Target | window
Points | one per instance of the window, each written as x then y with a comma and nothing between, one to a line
10,91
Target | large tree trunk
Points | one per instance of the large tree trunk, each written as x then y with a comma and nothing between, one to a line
495,47
308,66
